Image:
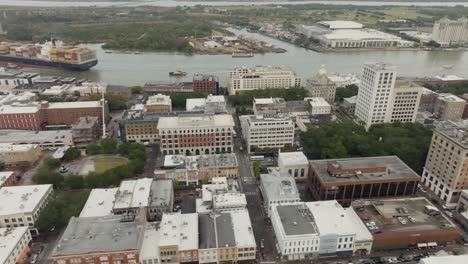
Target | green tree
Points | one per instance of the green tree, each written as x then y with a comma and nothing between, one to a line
257,168
205,180
116,102
74,182
52,163
71,154
136,89
93,149
108,145
62,207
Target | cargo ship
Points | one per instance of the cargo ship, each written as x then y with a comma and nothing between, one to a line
52,54
177,73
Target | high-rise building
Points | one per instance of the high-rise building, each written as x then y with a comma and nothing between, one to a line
261,77
267,131
374,95
445,172
383,99
196,134
405,102
449,107
449,32
321,86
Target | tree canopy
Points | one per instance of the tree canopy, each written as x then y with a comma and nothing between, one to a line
410,142
246,98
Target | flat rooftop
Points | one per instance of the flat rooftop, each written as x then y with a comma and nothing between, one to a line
9,239
279,187
460,259
195,121
19,109
150,241
229,199
98,234
455,130
22,199
31,136
179,229
293,158
80,104
201,161
385,212
225,229
9,147
162,193
100,203
450,98
383,168
340,24
296,220
133,194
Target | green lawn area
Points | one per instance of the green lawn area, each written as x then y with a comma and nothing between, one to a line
104,163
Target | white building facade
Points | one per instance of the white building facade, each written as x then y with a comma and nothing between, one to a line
267,131
262,77
374,95
14,244
315,229
319,106
195,135
449,32
294,163
22,205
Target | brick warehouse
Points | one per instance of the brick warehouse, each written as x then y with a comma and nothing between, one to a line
346,180
205,84
40,115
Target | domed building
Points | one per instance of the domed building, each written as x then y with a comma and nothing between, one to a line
321,86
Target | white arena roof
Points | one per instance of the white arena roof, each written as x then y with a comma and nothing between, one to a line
339,24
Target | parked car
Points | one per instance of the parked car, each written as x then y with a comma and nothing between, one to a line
449,214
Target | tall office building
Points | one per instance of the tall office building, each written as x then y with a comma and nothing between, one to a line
383,99
374,96
262,77
445,172
450,32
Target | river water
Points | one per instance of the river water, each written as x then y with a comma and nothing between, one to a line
137,69
168,3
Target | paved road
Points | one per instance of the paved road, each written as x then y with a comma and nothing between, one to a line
152,154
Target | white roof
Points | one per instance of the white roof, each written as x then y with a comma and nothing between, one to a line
22,199
292,158
198,121
318,102
263,100
339,24
350,100
133,194
150,245
360,34
229,199
174,160
460,259
159,99
4,175
80,104
449,78
179,229
195,104
450,97
331,218
242,228
217,183
12,109
215,99
9,239
9,147
100,203
279,187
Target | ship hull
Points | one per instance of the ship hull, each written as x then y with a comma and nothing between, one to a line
35,63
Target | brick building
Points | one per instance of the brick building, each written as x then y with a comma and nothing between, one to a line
39,116
99,240
405,222
7,178
196,134
205,84
351,179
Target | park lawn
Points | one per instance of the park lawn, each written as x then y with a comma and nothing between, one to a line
103,163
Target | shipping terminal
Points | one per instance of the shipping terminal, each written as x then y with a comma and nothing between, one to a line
52,54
